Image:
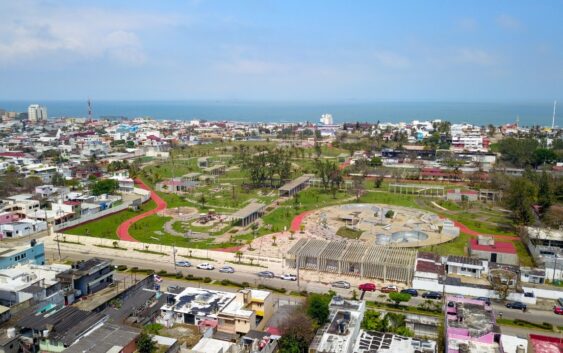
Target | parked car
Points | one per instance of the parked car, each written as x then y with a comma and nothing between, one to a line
227,269
288,277
389,289
183,263
558,310
432,295
516,305
367,287
266,274
157,278
485,299
413,292
206,266
341,284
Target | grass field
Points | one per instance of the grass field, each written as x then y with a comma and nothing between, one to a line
453,247
107,226
151,230
349,233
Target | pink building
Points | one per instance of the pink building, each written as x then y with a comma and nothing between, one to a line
470,326
9,217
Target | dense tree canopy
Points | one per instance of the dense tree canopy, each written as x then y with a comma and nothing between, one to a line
105,186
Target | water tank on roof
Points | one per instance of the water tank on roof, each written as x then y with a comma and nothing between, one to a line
11,332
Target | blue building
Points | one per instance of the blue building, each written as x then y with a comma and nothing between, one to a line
32,254
85,278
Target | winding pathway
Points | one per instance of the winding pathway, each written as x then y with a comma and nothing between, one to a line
123,229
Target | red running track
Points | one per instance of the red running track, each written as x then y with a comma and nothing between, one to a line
296,222
123,229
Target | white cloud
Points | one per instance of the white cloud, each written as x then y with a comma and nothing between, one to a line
33,30
508,22
475,57
392,60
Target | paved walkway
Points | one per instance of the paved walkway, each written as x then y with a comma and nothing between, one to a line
123,229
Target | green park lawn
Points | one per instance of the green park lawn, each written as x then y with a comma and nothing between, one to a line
107,226
388,198
150,230
453,247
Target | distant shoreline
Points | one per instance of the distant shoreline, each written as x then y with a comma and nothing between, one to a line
478,113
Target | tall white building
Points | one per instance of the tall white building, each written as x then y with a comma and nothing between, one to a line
37,112
326,119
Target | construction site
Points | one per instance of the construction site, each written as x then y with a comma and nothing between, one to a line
353,258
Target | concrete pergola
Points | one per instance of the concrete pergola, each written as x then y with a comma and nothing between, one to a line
249,213
218,169
296,185
418,189
353,258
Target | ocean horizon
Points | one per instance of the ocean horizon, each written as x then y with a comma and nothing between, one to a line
479,113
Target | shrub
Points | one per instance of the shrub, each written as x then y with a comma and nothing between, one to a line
225,282
207,280
162,273
122,267
389,214
245,284
189,276
134,269
179,275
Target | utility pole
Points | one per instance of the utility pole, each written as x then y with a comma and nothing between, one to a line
174,255
553,118
297,265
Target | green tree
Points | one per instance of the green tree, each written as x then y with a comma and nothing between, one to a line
545,194
519,198
543,156
202,200
58,179
317,307
373,321
398,297
297,331
105,186
145,343
376,162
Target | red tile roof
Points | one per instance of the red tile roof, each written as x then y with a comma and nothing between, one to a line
432,267
12,154
499,247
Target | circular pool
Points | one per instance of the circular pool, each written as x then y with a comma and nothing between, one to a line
405,236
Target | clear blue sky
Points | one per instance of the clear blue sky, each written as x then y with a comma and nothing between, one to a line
281,50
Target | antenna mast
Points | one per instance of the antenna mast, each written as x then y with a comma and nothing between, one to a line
553,118
89,110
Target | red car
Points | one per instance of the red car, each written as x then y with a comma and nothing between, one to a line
367,287
558,310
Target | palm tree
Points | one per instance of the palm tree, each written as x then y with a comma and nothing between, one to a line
238,254
202,200
274,238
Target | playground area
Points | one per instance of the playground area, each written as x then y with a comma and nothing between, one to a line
379,224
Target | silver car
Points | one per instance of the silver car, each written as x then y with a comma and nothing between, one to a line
341,284
227,269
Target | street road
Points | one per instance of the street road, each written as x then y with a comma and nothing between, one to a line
532,314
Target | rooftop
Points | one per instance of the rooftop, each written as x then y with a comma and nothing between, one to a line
498,247
371,342
199,301
105,339
248,210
